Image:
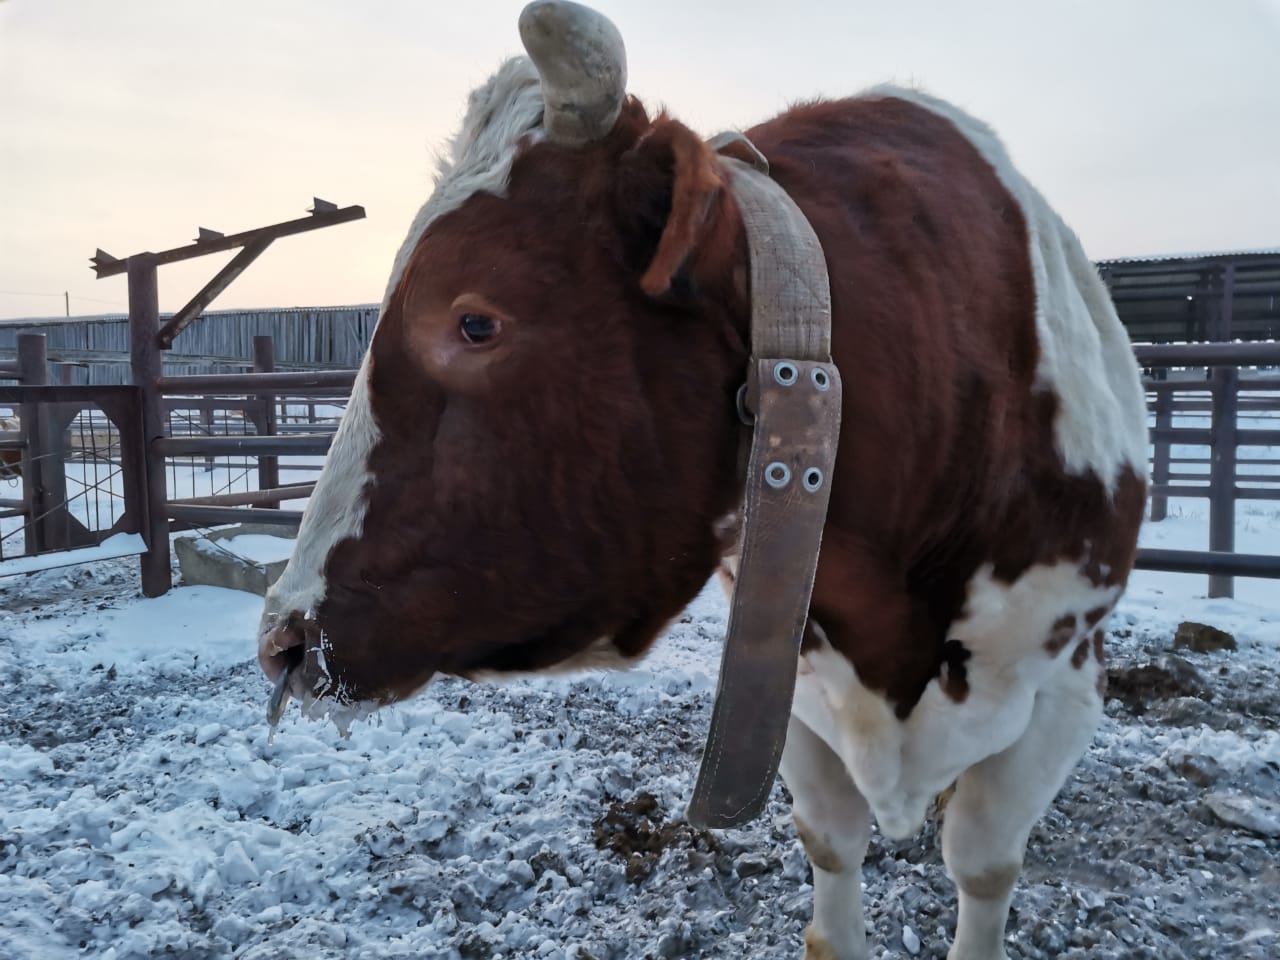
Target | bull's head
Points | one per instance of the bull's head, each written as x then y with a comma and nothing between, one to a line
541,448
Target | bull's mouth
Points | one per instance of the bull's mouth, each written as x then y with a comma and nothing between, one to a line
291,654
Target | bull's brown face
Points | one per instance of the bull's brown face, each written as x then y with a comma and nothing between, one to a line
555,447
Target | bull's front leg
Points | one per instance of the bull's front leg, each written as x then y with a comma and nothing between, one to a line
996,803
834,824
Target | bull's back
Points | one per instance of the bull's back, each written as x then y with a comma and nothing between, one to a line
991,472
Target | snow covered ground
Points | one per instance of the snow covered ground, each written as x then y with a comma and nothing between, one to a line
143,813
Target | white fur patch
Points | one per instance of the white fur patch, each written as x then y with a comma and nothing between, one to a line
1085,354
478,158
900,766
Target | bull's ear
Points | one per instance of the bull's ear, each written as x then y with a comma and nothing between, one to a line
671,183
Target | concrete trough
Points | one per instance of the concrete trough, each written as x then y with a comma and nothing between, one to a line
247,556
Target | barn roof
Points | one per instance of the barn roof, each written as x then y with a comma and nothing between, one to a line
1183,297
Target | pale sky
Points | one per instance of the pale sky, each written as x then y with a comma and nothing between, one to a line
1153,125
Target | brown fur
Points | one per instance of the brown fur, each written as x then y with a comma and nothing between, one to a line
571,493
816,948
1064,631
566,485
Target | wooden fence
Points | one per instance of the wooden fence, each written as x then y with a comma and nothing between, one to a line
96,350
250,421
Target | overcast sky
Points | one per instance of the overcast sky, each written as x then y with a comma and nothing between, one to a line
1153,125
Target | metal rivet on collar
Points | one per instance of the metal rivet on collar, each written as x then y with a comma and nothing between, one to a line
777,474
812,479
820,378
785,373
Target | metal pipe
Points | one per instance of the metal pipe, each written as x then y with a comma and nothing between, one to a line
260,383
292,491
1207,354
250,444
214,516
1208,561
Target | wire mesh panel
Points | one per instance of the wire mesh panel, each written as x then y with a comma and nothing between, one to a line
210,476
75,480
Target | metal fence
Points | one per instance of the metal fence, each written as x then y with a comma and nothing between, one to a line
234,447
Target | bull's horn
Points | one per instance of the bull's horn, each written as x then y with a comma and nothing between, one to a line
583,66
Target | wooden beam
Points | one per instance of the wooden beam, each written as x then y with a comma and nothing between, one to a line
221,280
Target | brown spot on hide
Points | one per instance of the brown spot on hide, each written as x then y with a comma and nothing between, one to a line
814,637
1062,633
1099,637
816,946
820,853
1080,654
955,675
1094,616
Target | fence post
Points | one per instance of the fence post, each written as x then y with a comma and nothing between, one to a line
1160,459
1222,473
264,361
33,371
144,355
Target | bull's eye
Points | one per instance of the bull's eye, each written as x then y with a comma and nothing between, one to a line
477,328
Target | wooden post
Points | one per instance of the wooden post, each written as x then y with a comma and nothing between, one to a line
33,371
144,354
1224,384
1161,456
264,361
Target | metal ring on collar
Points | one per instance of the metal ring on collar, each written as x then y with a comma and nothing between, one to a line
785,373
777,475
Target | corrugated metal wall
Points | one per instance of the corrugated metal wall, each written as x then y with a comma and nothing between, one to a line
220,342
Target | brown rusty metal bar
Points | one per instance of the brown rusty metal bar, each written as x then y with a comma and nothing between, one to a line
264,362
221,280
62,393
251,498
1200,436
1222,455
256,384
144,322
273,232
33,371
213,516
1222,475
1208,354
1211,562
1160,465
249,445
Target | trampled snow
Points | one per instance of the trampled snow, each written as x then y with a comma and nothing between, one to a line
143,813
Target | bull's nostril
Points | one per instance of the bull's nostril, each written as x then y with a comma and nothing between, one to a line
293,655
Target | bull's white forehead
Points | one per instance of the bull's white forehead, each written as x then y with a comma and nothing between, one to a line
500,113
477,159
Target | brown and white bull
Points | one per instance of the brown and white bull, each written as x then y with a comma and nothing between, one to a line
540,464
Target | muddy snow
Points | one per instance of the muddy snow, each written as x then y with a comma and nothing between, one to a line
144,814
